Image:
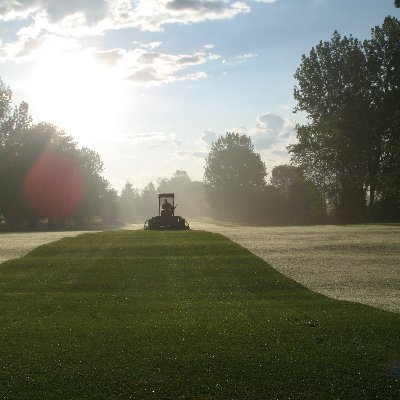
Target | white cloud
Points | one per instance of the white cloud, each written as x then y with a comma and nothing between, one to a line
109,58
246,56
143,65
152,139
31,47
208,137
83,17
183,154
242,130
271,130
50,26
151,68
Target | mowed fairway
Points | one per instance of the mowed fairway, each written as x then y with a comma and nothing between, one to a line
182,315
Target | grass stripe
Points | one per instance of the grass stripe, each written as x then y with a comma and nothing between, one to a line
182,315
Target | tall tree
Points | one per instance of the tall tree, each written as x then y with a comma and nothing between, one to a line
383,58
346,88
234,176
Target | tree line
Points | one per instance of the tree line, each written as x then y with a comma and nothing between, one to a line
346,162
45,175
138,205
48,181
237,187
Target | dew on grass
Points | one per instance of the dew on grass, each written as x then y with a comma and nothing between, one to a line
359,263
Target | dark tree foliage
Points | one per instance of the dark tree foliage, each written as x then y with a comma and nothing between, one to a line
383,57
350,92
397,3
302,203
235,178
44,175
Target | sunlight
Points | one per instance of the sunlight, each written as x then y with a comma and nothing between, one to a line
76,93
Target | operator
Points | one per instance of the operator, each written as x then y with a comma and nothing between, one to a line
167,207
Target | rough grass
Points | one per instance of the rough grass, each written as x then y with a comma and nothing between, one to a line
182,315
348,262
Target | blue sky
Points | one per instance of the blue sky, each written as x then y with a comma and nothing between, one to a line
149,84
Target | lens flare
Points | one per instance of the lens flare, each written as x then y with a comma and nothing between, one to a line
54,186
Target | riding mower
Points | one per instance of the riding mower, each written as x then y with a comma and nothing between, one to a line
166,218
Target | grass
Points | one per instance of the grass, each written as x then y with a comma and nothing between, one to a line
358,263
182,315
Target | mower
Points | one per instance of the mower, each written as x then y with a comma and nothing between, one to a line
166,218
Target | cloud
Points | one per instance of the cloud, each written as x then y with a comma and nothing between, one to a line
241,130
208,137
270,136
198,149
246,56
270,121
142,65
271,130
265,1
47,27
151,68
109,58
153,139
82,17
30,47
182,154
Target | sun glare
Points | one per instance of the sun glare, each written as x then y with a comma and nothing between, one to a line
76,93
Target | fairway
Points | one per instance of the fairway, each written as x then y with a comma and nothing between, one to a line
182,315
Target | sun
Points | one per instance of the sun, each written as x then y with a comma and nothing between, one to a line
75,92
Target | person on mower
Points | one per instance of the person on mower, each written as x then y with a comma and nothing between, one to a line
167,208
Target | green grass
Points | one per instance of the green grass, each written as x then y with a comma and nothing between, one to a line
182,315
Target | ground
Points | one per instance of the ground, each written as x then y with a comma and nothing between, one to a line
359,263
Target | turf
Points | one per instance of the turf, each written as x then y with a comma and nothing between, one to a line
182,315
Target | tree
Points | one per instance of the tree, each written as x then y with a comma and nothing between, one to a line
331,91
383,58
148,203
234,176
109,206
397,3
129,201
283,177
95,186
302,202
190,194
43,174
349,91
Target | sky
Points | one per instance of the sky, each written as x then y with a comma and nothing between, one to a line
150,84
